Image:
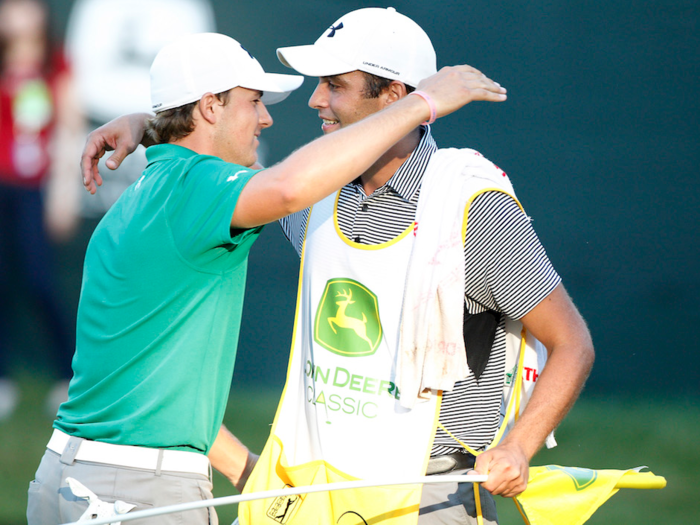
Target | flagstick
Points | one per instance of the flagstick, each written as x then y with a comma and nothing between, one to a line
291,491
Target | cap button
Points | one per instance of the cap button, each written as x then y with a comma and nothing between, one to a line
392,9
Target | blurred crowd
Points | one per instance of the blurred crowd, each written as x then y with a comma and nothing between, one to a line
52,92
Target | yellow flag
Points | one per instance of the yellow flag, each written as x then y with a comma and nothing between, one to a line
569,496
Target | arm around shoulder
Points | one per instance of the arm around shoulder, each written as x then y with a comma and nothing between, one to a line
328,163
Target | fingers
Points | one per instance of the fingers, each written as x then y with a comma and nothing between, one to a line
116,158
481,87
453,87
507,473
92,152
95,148
506,479
97,177
488,95
122,135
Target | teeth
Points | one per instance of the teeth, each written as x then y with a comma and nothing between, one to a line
329,122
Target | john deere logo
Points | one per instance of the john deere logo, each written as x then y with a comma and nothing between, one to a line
347,320
582,477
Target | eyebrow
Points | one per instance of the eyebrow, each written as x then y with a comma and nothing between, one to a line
334,78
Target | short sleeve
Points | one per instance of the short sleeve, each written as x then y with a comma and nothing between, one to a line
294,228
507,269
201,208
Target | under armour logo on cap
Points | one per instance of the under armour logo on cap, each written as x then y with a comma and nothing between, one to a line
334,29
249,53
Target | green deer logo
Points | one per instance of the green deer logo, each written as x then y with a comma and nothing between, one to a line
342,320
347,320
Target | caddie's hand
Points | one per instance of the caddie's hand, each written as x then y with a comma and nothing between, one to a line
507,468
122,135
453,87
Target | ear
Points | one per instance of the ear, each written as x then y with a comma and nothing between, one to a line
208,107
394,91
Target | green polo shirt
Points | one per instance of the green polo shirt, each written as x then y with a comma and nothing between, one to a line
160,307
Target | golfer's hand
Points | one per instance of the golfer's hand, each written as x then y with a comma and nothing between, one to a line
122,135
507,468
453,87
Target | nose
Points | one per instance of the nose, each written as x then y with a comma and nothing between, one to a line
319,98
264,116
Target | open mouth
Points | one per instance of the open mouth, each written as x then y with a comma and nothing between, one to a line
328,124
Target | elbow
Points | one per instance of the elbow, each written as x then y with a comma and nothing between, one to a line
291,198
589,357
578,350
586,353
294,195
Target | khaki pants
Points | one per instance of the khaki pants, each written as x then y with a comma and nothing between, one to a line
454,504
51,502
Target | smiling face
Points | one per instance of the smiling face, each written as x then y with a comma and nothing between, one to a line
242,120
341,100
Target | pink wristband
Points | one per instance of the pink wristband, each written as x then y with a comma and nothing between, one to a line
431,105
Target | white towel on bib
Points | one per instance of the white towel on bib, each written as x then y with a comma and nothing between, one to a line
431,346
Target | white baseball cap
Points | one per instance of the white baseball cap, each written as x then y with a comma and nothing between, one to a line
200,63
374,40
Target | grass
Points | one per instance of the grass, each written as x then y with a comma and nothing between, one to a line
600,433
618,433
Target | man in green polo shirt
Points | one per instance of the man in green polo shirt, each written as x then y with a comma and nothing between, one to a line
165,270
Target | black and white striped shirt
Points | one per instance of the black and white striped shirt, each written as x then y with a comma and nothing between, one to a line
507,271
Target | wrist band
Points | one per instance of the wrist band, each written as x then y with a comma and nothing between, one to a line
250,462
431,105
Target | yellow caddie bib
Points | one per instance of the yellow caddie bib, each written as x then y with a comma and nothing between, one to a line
341,376
339,418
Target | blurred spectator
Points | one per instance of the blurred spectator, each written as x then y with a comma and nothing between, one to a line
111,45
41,134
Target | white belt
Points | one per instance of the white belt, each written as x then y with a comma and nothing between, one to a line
134,457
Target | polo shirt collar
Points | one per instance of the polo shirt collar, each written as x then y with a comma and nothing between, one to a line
407,179
167,152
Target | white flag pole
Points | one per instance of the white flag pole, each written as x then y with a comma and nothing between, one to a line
291,491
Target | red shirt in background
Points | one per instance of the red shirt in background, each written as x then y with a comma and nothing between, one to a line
27,119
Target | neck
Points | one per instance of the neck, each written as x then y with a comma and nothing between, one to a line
199,141
382,170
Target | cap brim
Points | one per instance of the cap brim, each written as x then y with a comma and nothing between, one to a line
312,61
275,87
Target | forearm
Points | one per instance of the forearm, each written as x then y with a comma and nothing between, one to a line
557,388
559,326
231,458
320,168
329,162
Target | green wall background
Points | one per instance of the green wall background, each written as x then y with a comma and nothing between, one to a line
599,136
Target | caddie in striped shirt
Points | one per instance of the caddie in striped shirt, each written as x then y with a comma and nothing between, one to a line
426,254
